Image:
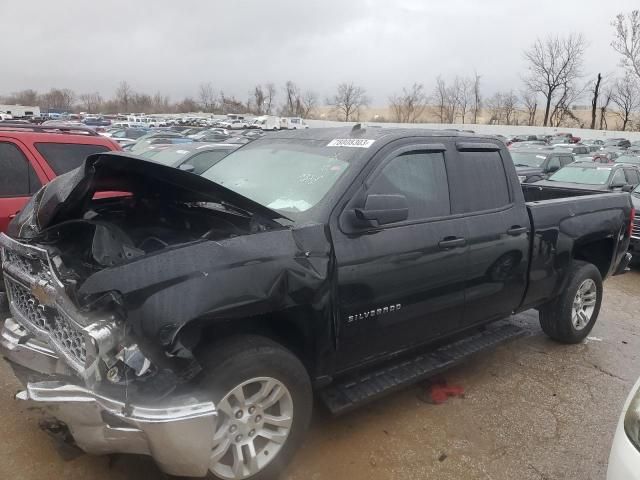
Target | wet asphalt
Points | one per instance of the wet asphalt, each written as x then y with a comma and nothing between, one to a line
532,409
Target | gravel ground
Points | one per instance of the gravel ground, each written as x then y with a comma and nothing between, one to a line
532,409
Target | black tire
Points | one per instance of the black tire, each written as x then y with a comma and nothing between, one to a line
556,316
236,359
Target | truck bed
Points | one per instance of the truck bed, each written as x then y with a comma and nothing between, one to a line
562,221
536,193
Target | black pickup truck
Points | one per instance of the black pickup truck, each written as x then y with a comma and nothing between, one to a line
191,317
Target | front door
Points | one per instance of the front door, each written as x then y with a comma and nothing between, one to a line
401,284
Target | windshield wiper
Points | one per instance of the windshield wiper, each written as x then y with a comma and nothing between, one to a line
522,165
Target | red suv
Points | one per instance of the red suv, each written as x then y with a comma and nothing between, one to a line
32,155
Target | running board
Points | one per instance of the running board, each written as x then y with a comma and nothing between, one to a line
351,392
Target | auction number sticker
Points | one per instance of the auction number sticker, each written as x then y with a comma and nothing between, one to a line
351,142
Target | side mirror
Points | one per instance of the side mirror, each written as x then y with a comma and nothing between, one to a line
186,167
380,209
553,168
627,188
618,185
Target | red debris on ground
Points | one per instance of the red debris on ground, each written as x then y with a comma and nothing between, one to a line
437,392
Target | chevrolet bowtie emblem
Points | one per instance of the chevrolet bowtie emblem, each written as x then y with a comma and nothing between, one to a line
41,293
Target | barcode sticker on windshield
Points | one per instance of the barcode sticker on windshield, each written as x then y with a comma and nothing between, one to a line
350,142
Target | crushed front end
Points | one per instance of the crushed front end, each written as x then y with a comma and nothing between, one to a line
83,368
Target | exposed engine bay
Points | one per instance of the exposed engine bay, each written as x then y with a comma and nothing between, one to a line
117,230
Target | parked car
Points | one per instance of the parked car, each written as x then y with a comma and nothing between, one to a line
592,141
159,143
617,142
595,176
624,459
300,261
631,158
528,144
32,155
193,157
96,121
143,142
634,243
574,148
533,165
233,124
125,135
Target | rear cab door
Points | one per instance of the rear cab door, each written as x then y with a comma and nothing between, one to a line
498,229
20,177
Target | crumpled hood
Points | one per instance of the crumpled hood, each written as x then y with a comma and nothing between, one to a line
65,197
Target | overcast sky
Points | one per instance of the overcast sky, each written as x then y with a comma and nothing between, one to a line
173,46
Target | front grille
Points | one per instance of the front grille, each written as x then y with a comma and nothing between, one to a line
32,266
635,229
63,333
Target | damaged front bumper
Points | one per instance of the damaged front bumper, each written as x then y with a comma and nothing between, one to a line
178,433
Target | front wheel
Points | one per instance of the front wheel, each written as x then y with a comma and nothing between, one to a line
263,396
570,317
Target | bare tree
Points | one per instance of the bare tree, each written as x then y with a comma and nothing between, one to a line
123,95
627,40
23,97
503,108
348,100
562,110
207,96
60,99
510,105
626,96
594,101
477,99
91,101
293,102
464,96
408,106
309,104
440,96
258,99
605,100
552,63
269,98
530,103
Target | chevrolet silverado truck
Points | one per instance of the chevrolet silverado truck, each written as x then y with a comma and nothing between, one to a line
192,318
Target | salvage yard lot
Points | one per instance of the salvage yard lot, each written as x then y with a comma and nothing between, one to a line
533,409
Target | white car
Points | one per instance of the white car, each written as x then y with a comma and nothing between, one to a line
234,124
624,460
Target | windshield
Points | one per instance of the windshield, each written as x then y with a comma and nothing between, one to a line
527,159
584,175
285,175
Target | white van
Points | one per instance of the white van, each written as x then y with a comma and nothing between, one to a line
293,123
268,122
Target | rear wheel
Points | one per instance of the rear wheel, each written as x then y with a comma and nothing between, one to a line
263,396
571,316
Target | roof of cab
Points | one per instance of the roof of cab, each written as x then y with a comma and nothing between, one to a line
372,133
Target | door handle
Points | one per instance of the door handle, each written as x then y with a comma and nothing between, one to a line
516,230
451,242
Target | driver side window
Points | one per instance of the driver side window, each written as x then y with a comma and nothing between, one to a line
422,178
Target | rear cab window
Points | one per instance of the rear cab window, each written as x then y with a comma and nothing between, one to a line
480,182
64,157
